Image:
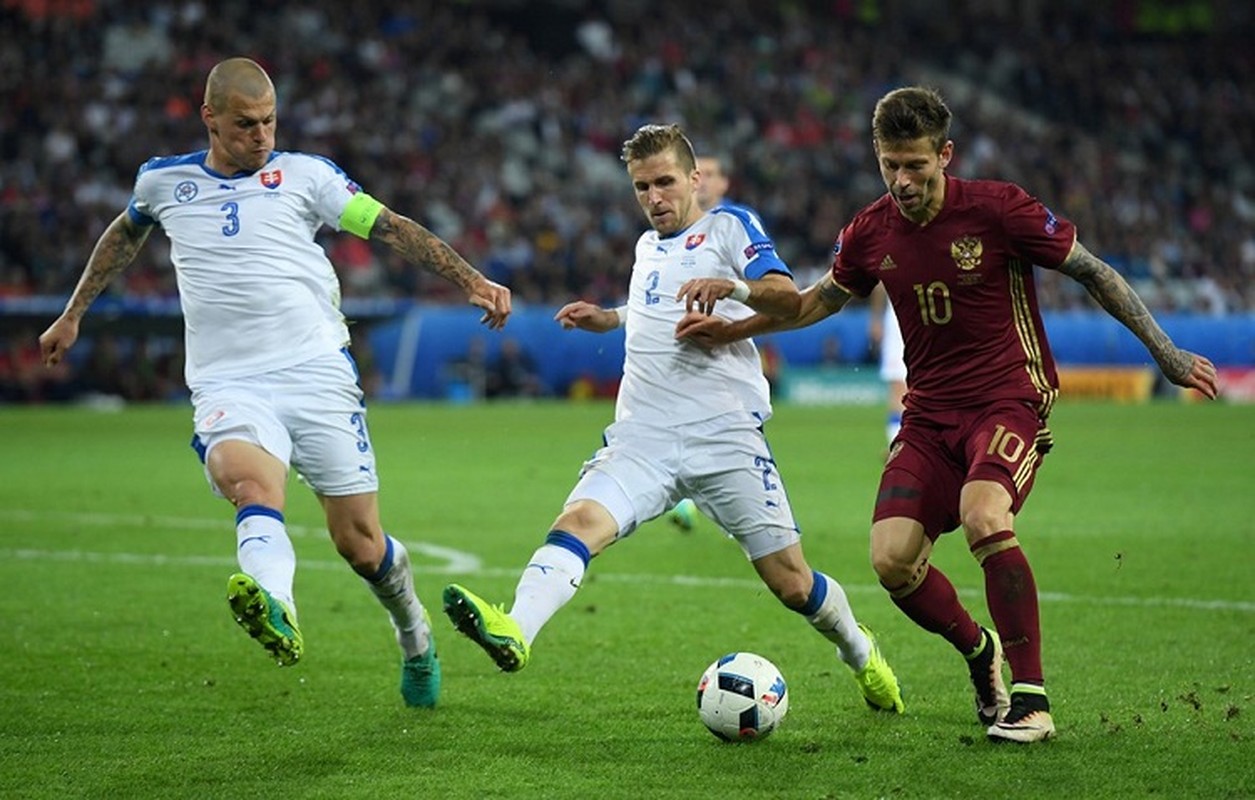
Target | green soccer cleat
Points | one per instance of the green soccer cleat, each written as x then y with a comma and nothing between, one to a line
683,515
877,681
487,626
268,620
420,679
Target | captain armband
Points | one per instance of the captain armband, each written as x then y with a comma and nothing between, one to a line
360,214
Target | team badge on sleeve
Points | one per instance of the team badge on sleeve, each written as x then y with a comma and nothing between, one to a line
272,179
1052,223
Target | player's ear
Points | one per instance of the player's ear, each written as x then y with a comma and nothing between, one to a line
947,153
207,116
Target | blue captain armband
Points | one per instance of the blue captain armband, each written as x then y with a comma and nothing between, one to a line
360,214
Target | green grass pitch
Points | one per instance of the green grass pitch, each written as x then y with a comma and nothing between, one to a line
123,675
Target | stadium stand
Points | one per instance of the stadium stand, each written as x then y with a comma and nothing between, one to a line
498,125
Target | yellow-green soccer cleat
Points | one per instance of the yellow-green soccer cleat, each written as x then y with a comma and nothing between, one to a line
265,618
487,626
877,681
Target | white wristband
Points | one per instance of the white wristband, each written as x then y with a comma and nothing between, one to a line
740,290
621,313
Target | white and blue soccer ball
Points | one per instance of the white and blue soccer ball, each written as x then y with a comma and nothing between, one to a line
742,697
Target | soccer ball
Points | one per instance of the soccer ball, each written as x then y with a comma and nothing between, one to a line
742,697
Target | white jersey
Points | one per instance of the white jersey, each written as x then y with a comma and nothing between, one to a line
666,382
258,293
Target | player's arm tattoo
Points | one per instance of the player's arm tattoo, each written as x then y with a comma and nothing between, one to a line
114,250
421,247
832,296
1115,295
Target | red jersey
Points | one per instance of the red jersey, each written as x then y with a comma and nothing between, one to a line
962,289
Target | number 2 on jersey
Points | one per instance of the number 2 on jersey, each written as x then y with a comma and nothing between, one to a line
651,296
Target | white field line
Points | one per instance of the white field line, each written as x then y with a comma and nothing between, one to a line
456,562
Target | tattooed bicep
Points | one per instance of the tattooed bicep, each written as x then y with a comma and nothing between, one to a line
385,225
1082,265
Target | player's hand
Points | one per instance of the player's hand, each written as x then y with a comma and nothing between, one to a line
587,317
702,293
494,299
60,337
704,330
1193,372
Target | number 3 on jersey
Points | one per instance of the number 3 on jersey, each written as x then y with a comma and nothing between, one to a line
233,218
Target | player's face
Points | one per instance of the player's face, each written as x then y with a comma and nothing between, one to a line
713,185
914,173
242,133
666,191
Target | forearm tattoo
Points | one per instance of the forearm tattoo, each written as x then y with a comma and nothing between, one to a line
1116,296
116,248
423,248
832,295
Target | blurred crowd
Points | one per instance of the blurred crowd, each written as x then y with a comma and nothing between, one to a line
498,124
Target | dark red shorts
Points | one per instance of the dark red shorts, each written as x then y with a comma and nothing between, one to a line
936,453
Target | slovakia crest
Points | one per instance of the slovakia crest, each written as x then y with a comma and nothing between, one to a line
694,240
272,179
185,192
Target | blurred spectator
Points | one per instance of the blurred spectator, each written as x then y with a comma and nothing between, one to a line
830,351
466,378
513,373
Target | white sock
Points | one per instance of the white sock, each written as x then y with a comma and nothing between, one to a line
265,551
835,620
546,585
393,584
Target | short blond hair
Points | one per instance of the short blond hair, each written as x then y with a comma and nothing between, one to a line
236,75
650,140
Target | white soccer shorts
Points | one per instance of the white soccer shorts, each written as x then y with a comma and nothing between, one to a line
312,417
724,464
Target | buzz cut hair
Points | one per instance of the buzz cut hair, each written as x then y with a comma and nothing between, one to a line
650,140
236,75
910,113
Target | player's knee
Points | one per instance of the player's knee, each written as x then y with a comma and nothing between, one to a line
981,520
251,492
891,568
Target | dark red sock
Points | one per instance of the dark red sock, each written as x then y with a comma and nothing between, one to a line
934,606
1011,594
